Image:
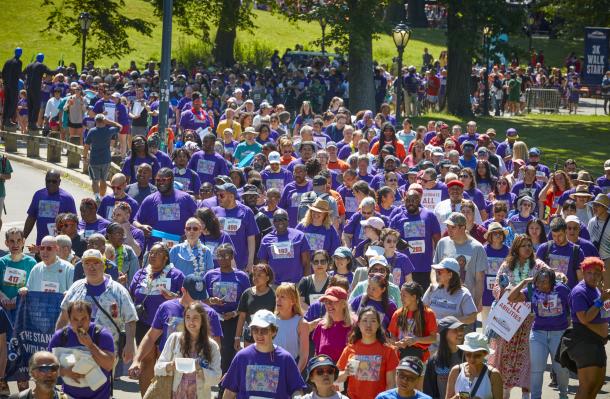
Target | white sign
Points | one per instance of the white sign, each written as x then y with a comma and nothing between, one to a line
506,318
431,198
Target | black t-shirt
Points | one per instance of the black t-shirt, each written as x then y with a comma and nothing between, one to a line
307,288
251,303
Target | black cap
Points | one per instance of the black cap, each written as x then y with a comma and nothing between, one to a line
319,180
250,189
195,286
449,322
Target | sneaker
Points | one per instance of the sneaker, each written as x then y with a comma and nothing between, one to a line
553,383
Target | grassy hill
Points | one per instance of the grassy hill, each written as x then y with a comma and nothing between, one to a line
23,20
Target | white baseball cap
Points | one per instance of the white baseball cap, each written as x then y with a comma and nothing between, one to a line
274,157
263,318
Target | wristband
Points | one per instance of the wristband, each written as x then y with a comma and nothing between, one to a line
237,337
598,303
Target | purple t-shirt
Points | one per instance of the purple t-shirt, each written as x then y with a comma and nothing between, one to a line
558,259
581,300
519,223
137,161
277,180
170,316
291,199
418,230
508,198
495,258
552,309
400,267
107,206
45,207
354,228
350,202
208,166
239,224
213,243
593,190
103,340
189,179
604,184
99,226
386,315
520,188
319,237
173,279
164,160
188,120
283,254
315,311
167,213
476,196
265,375
226,286
379,181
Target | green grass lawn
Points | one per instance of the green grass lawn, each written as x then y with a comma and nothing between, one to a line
23,20
584,138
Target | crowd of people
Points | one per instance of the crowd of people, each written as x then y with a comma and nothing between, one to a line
258,252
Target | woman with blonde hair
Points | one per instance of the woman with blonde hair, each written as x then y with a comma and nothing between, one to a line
331,334
195,344
520,151
290,319
318,229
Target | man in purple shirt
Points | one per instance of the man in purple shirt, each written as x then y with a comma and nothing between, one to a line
208,163
46,204
560,254
118,184
291,195
90,221
471,133
167,210
195,118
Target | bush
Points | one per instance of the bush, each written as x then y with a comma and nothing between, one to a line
255,52
190,52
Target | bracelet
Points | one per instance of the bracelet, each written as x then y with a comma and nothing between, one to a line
598,303
237,337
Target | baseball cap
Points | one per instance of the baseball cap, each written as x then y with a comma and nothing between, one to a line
373,222
573,218
331,144
222,179
116,95
512,133
92,254
319,180
250,129
274,157
379,260
229,187
437,151
455,183
607,165
343,252
411,364
413,171
449,264
482,150
468,144
263,318
334,294
535,151
194,285
250,189
319,361
456,219
449,323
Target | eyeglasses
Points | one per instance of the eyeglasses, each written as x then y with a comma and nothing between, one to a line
391,241
324,370
376,271
192,228
224,256
464,176
46,247
319,262
280,219
260,331
47,368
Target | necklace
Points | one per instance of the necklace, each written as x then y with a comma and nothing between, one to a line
150,276
120,258
521,274
198,263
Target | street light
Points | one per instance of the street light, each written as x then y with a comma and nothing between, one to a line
486,45
323,23
530,29
401,35
85,23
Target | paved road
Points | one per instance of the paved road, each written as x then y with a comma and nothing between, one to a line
26,180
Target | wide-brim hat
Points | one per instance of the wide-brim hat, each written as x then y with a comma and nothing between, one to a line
495,226
581,191
320,205
584,177
602,200
475,342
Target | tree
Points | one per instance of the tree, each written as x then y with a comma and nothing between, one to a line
574,15
109,25
195,17
416,13
353,25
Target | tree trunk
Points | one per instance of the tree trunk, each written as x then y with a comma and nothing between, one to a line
459,62
395,12
226,33
361,86
417,14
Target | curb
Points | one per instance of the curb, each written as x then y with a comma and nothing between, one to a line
70,174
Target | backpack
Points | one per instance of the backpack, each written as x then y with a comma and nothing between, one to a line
573,258
308,199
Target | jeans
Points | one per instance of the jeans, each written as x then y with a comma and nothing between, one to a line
543,344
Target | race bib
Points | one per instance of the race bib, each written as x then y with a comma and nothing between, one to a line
490,281
168,212
314,297
14,277
206,167
48,209
282,250
50,286
52,228
231,225
417,246
351,204
316,241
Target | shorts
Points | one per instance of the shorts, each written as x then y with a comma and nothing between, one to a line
587,349
99,172
124,130
75,125
139,131
432,99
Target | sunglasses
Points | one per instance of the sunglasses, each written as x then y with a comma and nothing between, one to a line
320,262
193,228
324,370
47,368
464,176
260,331
163,179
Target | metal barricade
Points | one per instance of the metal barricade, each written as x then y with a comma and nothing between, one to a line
545,100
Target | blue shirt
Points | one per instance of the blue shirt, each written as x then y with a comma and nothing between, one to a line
393,394
99,139
198,259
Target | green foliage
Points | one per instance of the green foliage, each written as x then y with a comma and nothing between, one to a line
574,15
189,53
255,52
110,27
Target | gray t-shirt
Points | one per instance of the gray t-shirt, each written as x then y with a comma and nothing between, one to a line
471,255
595,228
443,304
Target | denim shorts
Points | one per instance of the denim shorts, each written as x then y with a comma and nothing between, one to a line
99,172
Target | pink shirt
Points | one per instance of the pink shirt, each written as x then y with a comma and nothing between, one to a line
331,341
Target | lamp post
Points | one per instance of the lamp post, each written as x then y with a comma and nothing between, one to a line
486,43
401,35
323,23
530,29
85,23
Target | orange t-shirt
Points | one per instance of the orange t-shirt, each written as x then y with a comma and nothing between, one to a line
340,204
552,202
155,129
399,148
339,165
429,328
375,361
